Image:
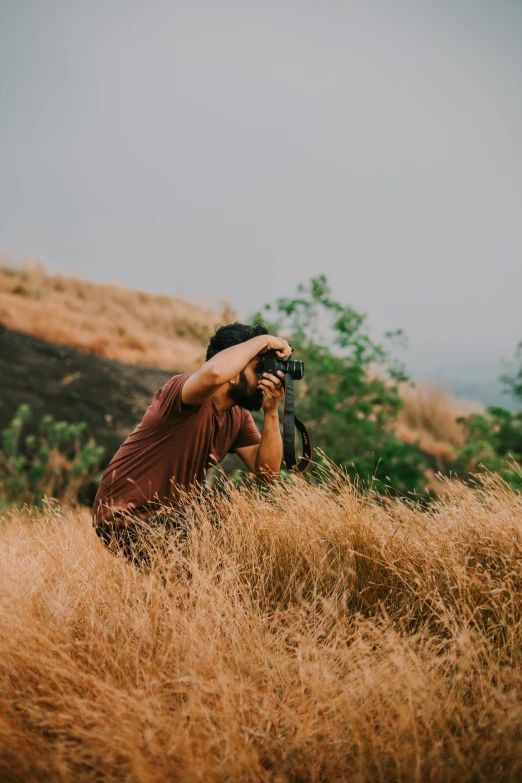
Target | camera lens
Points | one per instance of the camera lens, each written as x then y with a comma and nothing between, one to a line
295,369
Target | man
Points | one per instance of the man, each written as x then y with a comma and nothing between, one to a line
192,423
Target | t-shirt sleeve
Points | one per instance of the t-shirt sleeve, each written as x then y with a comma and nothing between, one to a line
168,399
248,435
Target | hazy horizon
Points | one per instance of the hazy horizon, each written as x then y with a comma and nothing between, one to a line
232,151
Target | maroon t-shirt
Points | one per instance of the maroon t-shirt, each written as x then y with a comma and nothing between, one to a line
170,450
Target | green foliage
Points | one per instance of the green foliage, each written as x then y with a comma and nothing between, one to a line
349,397
493,443
59,462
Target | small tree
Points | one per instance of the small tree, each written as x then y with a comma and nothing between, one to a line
349,397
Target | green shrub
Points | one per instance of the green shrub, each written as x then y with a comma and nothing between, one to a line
493,443
59,462
349,398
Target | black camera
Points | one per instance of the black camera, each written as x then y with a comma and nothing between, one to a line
271,363
294,371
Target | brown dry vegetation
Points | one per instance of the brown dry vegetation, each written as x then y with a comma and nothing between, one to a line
430,416
109,320
315,635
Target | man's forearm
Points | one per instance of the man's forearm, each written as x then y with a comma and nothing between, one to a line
270,452
228,363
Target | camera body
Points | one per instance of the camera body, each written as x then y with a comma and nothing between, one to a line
271,364
294,370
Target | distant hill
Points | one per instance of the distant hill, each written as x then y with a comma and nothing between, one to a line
474,380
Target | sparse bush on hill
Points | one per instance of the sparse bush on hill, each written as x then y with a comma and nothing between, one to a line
60,462
311,635
350,396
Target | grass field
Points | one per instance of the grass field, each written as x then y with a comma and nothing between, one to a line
304,634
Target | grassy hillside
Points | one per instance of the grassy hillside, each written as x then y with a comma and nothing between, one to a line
303,634
108,320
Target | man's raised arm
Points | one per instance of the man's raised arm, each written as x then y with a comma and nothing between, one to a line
228,363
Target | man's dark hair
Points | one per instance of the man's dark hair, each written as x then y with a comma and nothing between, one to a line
233,334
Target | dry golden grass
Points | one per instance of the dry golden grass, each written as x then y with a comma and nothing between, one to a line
109,320
430,417
315,635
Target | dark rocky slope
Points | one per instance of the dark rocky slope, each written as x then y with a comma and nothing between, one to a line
74,386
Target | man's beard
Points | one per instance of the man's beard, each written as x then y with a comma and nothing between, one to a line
248,397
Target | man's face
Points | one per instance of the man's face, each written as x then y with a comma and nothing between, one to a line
246,393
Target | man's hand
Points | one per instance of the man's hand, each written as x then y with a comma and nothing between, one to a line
281,347
273,389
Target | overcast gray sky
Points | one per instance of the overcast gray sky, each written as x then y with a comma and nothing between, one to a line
233,149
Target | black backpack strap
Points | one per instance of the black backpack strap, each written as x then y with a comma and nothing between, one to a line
290,422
